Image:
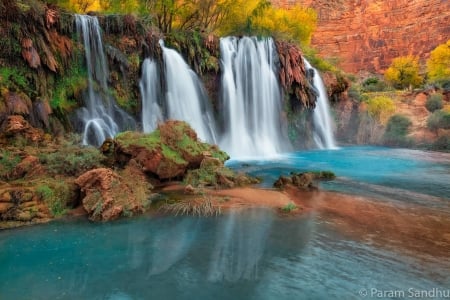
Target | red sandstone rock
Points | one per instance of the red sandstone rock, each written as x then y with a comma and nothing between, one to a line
30,54
108,196
16,125
367,35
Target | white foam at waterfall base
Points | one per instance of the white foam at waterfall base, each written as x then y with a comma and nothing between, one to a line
251,98
323,123
149,87
185,96
101,117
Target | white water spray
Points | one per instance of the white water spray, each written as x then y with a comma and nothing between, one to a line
149,87
251,98
323,124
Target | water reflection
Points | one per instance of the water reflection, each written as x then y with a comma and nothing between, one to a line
239,246
251,254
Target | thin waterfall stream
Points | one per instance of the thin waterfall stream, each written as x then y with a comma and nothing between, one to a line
101,118
323,124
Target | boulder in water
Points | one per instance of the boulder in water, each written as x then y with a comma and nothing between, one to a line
303,181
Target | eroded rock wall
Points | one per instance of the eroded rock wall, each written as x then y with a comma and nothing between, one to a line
367,34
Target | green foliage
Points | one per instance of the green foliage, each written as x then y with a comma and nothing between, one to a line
439,119
192,45
8,161
72,160
319,63
289,207
324,175
404,72
396,130
45,192
13,78
373,84
55,195
380,108
434,102
200,177
441,144
438,65
355,93
68,87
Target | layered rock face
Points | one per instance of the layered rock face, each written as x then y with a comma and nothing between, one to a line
367,34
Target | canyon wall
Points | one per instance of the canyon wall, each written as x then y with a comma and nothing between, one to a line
365,35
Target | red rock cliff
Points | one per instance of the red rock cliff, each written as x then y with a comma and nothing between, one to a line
367,34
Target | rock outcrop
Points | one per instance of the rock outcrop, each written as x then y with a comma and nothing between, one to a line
303,181
109,195
366,35
166,153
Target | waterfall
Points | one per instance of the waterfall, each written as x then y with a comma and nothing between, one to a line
323,124
149,87
101,117
251,97
185,96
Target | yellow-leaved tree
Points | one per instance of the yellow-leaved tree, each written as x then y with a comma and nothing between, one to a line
381,108
296,24
404,72
438,65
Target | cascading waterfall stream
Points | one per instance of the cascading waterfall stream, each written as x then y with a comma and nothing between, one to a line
323,124
185,96
251,98
101,117
149,87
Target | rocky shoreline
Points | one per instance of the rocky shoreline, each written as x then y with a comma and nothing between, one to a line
44,179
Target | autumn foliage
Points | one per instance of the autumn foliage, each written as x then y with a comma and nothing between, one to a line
438,65
404,72
222,17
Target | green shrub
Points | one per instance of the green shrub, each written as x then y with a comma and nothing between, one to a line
289,207
72,160
396,130
440,119
373,84
434,102
441,144
54,197
8,161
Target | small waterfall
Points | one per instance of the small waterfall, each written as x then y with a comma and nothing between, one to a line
149,87
323,124
186,98
101,117
251,97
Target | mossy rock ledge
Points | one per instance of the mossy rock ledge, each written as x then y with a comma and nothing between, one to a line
166,153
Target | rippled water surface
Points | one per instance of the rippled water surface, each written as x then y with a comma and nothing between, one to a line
251,254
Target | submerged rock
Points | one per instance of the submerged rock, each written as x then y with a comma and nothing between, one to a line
303,181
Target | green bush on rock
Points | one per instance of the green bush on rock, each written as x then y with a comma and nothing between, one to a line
396,130
434,102
168,152
72,160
